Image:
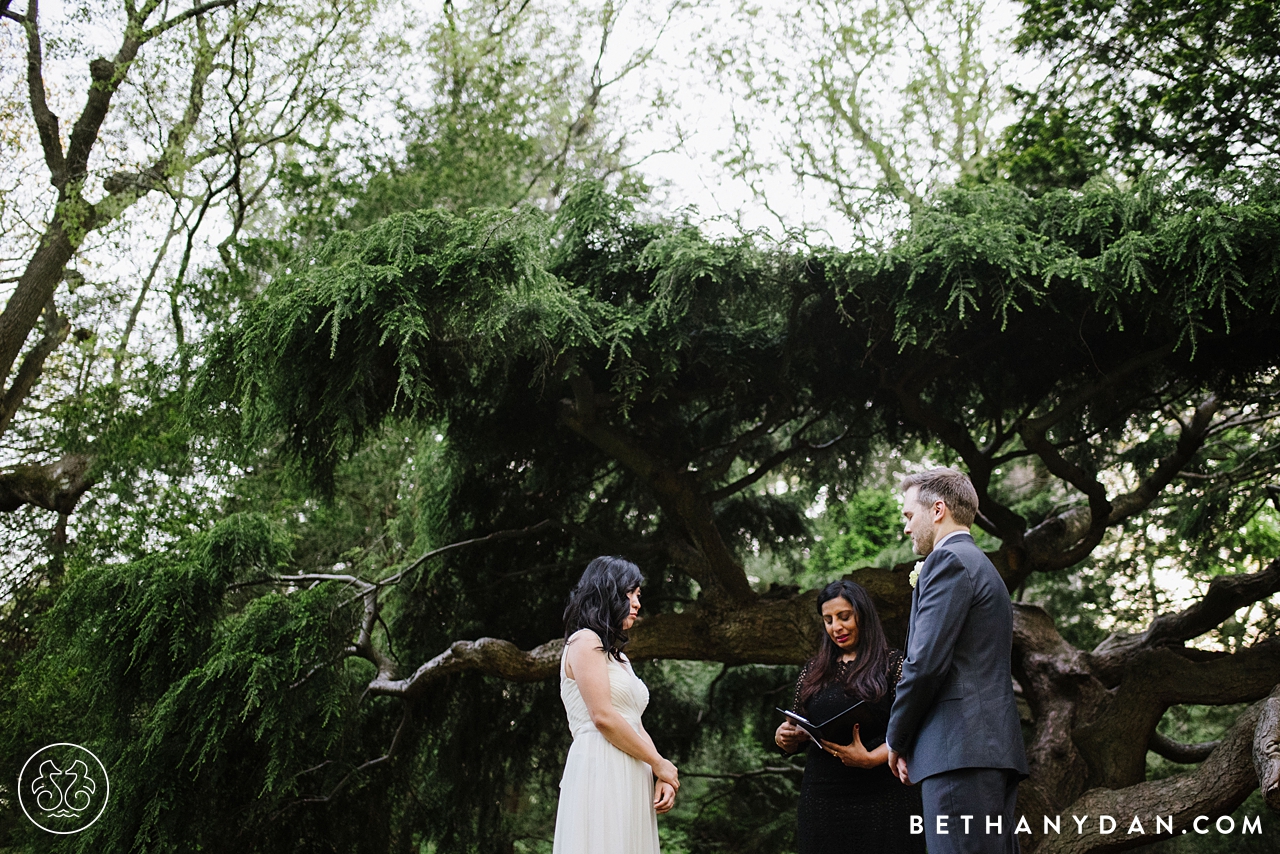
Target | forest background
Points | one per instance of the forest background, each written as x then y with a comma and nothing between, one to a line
339,335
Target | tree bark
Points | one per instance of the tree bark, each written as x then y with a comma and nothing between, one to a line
55,486
1266,750
1215,788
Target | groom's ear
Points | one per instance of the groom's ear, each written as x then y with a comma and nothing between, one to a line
939,510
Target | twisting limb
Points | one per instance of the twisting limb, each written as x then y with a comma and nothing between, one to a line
1087,393
999,519
1226,595
1216,787
718,469
1176,751
1083,528
796,446
714,565
1189,443
489,655
1079,547
496,536
486,653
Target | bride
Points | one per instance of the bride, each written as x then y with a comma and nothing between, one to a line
608,798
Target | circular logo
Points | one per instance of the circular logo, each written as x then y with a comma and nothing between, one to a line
63,788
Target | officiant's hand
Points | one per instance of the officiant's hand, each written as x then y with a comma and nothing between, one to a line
789,737
664,797
854,754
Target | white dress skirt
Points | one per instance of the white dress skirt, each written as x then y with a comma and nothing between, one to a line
606,796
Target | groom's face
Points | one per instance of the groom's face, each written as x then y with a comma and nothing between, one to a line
919,526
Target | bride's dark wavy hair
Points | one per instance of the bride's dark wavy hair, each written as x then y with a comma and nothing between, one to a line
868,678
599,601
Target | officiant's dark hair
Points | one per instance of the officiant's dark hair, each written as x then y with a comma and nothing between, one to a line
868,678
599,601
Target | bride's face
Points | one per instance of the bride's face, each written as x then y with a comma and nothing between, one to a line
634,599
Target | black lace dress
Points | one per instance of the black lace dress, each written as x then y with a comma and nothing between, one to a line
846,810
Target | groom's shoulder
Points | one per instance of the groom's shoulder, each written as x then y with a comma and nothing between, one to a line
978,566
967,552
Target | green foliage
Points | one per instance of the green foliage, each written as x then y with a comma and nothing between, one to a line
1048,148
850,534
1184,83
423,373
186,699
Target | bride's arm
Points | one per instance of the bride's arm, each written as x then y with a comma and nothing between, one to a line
588,667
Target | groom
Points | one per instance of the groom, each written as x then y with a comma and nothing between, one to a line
954,726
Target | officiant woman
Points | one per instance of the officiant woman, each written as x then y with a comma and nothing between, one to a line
849,801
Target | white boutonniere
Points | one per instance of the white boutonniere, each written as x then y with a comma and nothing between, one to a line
914,577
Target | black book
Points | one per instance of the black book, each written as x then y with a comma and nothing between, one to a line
842,722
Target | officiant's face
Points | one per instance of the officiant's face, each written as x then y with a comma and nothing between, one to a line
634,598
919,525
841,622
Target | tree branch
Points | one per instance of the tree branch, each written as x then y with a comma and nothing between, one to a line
56,330
1216,787
1266,750
488,655
1226,595
46,120
405,718
1087,393
1176,751
1168,678
193,12
721,467
55,486
1099,506
1008,525
754,476
1189,443
496,536
713,566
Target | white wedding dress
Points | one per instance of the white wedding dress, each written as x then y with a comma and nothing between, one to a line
606,796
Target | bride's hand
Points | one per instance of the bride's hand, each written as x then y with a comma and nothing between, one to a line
666,772
664,796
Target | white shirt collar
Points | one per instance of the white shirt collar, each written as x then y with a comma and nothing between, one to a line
939,543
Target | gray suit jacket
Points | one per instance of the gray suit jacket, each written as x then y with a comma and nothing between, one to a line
954,706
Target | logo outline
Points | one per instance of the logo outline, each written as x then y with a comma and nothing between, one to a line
81,781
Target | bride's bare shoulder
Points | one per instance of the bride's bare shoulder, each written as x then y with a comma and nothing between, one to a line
582,642
585,635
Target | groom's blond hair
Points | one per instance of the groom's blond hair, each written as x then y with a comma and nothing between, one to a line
952,486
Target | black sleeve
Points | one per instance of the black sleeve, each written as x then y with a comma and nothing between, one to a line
895,672
795,707
795,700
